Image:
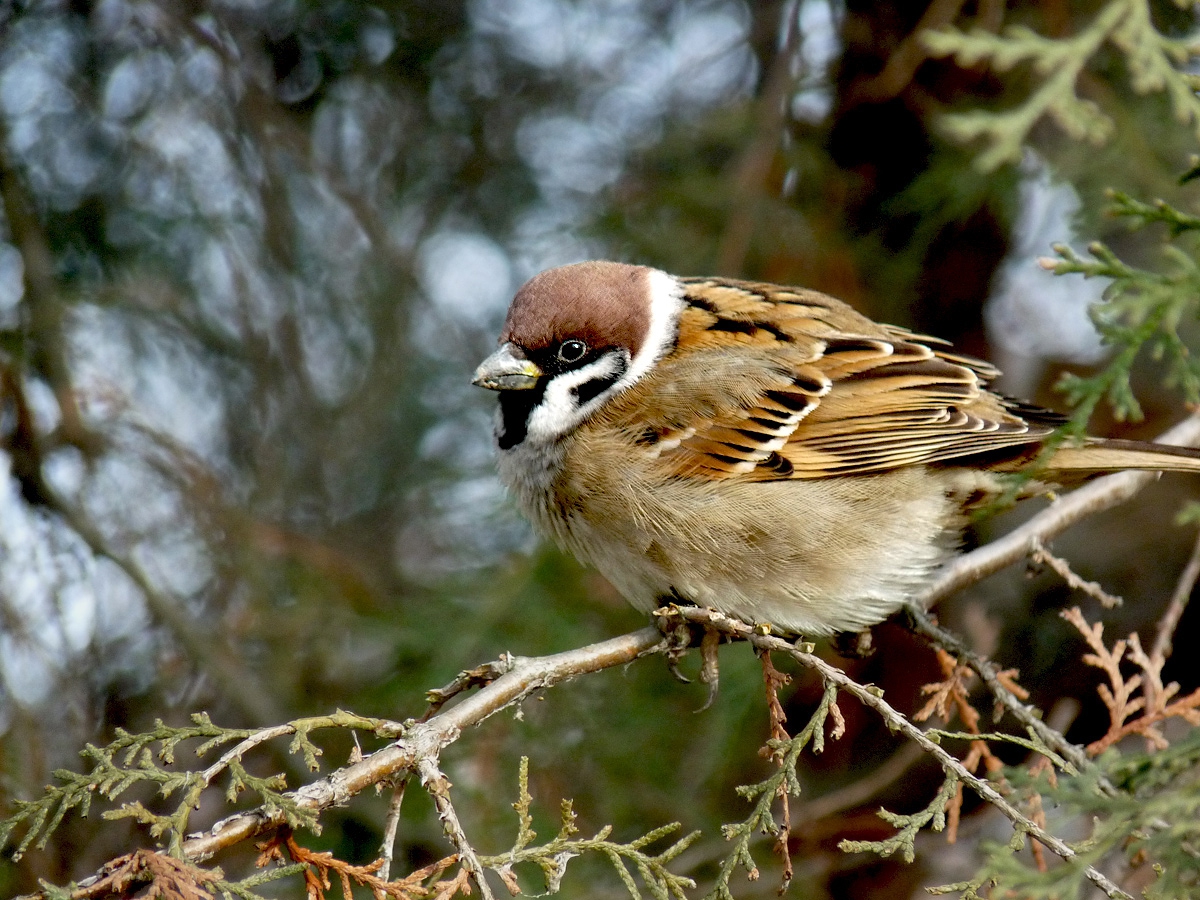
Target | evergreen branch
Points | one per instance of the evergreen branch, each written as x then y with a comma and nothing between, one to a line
1142,310
903,840
761,820
1153,819
871,697
1154,63
130,759
553,856
1033,743
244,887
524,677
1143,214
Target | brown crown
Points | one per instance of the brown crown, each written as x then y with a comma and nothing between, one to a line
604,304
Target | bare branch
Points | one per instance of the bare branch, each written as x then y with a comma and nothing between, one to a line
391,826
1174,611
438,785
1039,554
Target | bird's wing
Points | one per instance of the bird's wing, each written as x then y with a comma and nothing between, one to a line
774,383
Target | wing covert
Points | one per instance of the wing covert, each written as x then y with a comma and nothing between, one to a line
825,391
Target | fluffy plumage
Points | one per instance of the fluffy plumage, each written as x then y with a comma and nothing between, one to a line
763,450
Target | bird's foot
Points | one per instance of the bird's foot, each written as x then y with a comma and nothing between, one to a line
679,639
681,636
710,666
854,644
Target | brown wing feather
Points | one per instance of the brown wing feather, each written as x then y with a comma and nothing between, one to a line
828,392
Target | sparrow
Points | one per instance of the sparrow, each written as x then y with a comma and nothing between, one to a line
765,451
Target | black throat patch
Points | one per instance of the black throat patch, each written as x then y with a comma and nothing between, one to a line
515,409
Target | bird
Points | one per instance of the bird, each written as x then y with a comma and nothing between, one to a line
762,450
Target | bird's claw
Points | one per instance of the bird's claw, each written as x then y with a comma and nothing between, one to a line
710,666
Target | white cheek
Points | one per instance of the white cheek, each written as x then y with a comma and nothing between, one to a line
559,410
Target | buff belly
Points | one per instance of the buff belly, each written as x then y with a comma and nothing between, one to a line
790,553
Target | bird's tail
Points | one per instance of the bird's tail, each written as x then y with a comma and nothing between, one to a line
1099,455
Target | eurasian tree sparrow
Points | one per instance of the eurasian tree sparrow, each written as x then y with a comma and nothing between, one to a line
762,450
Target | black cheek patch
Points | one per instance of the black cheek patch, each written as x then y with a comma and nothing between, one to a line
590,390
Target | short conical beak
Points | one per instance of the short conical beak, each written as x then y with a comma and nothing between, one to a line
505,371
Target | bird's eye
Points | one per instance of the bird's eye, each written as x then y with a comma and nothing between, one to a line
571,351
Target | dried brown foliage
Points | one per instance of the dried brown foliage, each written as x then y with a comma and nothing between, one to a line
773,680
1137,704
317,881
950,696
167,878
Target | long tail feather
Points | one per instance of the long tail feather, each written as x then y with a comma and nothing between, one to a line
1113,455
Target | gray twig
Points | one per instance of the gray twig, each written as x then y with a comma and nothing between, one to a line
388,849
1174,611
1039,554
438,785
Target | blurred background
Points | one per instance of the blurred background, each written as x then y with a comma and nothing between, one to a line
250,253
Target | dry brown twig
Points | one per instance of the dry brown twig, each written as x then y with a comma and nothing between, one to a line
162,875
320,864
952,691
773,680
1041,765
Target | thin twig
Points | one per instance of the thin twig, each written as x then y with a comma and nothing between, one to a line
898,722
388,849
438,785
1039,554
1174,611
988,671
